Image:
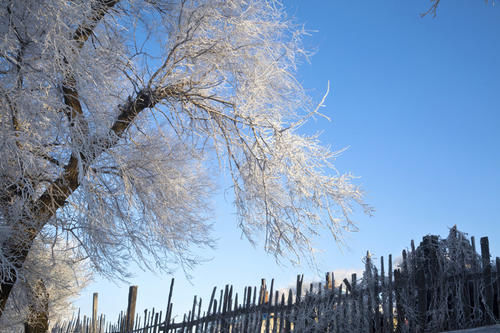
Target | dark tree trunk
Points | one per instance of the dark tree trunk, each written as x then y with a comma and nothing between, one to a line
38,317
17,250
55,196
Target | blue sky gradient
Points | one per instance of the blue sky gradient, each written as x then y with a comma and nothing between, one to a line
416,100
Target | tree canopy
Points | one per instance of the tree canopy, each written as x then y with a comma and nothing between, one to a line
114,115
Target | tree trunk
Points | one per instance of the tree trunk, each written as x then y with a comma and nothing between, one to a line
17,250
38,317
56,194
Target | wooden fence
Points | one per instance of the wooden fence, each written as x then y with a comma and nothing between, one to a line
442,284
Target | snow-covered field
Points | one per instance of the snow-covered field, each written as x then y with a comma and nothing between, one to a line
486,329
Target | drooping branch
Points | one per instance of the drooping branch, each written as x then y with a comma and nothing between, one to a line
433,9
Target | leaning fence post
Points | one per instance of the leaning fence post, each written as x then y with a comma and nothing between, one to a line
132,298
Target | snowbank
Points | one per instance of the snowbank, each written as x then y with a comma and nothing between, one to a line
486,329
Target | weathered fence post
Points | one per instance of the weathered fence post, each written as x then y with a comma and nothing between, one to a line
488,288
168,314
376,302
354,295
398,286
94,312
390,287
370,292
497,300
422,296
269,300
340,312
383,292
132,299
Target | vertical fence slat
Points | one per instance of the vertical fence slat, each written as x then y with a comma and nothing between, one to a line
370,292
383,291
362,311
276,311
376,302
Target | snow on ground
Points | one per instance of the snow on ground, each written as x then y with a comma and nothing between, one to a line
486,329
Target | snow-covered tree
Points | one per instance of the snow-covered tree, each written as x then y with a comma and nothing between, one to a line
114,115
53,277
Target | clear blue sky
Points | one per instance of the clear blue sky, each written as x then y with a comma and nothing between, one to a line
417,101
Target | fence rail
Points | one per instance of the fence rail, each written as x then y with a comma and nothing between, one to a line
443,284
